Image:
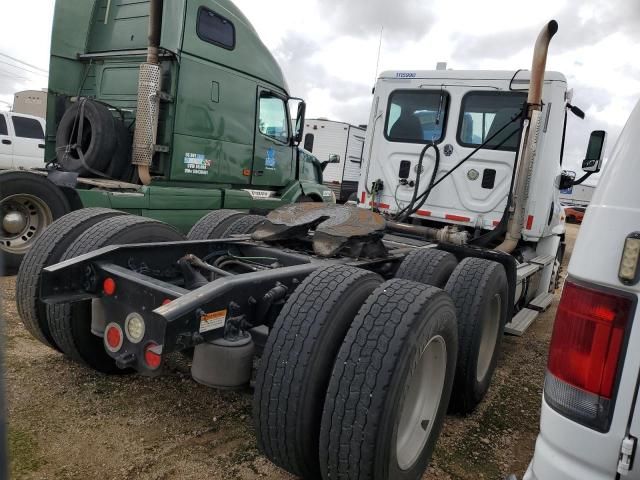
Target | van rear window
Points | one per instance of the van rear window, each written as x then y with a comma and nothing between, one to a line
416,116
215,29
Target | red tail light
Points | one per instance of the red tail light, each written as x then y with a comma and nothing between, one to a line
113,337
586,347
109,286
153,355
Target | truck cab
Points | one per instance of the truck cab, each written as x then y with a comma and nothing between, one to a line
590,419
205,124
445,154
457,111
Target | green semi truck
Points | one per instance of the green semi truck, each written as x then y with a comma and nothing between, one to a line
167,110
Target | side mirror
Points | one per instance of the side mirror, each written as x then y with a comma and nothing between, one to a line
333,158
299,132
567,179
595,151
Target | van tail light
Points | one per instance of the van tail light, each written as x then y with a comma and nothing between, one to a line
586,348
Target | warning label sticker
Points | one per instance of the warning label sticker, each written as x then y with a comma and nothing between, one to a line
196,164
212,321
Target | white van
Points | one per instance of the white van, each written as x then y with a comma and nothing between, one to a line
590,419
21,141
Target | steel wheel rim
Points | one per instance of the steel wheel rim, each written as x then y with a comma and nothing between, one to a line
489,337
421,402
23,218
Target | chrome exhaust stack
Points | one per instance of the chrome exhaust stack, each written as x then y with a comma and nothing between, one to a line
528,146
148,107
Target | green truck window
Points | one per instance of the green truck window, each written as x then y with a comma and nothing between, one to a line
216,29
273,118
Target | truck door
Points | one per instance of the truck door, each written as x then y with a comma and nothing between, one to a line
28,148
6,144
273,155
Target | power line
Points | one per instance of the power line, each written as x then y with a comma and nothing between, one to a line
24,63
15,76
25,69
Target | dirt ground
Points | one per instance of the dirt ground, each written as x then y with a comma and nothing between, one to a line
68,422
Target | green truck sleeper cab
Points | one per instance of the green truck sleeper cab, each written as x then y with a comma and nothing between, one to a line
212,130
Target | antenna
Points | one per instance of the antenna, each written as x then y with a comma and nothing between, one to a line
378,59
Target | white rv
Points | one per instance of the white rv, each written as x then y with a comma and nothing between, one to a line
324,138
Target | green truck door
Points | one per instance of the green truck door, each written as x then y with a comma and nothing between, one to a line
273,154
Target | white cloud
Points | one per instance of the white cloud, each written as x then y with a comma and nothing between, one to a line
328,49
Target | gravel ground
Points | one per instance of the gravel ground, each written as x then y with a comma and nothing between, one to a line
68,422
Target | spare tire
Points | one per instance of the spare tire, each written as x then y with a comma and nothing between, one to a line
98,142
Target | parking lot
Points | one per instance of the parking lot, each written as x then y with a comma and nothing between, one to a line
69,422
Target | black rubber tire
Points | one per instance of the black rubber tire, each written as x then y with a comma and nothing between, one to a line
296,364
369,381
70,324
48,250
428,266
120,166
244,225
213,225
26,183
99,140
472,286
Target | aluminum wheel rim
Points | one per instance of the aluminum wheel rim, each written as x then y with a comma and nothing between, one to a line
16,235
421,402
490,328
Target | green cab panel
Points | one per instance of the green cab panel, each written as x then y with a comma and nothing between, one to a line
213,133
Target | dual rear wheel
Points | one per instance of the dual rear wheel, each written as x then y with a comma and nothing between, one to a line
355,377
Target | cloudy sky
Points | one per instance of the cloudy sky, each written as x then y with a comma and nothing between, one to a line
328,49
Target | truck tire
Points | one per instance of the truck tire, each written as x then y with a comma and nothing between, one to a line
244,225
213,225
428,266
47,250
120,166
296,364
70,324
390,385
29,203
98,142
479,291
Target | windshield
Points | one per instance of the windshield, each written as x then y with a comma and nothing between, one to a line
416,116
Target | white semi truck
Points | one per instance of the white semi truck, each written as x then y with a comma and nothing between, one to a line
440,152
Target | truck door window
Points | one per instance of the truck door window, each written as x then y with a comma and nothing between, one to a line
416,116
27,128
216,29
3,126
273,118
483,114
